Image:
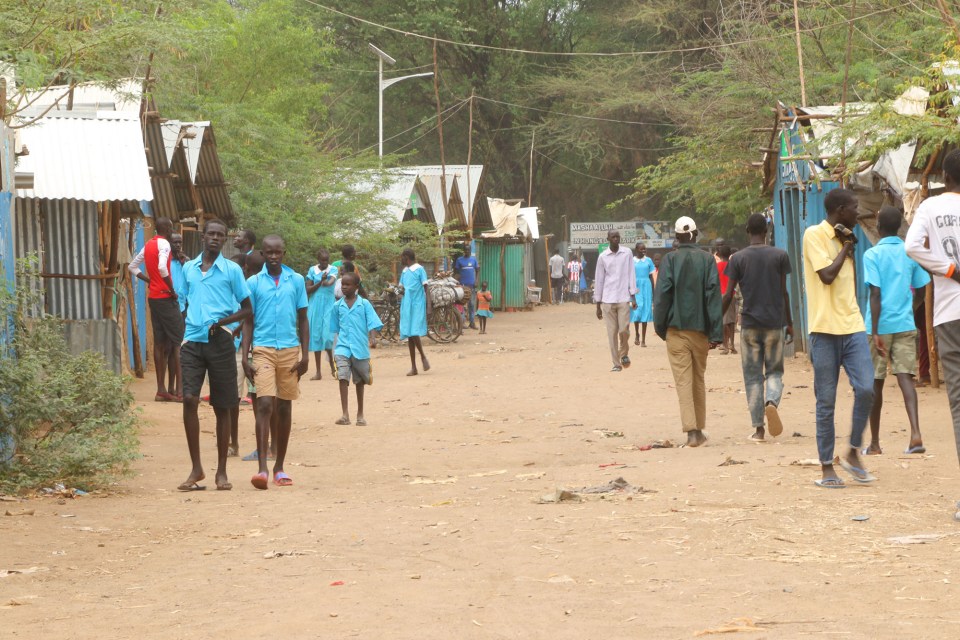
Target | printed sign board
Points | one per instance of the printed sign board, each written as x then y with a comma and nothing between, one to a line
588,235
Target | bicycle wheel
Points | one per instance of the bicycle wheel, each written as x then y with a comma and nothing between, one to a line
444,325
391,325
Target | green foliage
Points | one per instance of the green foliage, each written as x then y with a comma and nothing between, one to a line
71,419
379,252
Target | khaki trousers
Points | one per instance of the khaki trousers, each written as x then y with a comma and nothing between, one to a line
616,315
687,352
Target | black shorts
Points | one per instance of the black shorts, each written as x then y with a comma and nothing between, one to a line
215,359
167,319
557,282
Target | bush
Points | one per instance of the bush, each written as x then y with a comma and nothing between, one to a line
71,420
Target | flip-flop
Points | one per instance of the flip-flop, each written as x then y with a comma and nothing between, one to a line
774,424
917,449
190,486
616,369
860,475
252,456
867,451
226,486
281,479
625,362
259,480
342,421
362,422
830,483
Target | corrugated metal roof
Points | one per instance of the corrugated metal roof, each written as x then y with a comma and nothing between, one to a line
448,211
469,191
88,98
95,159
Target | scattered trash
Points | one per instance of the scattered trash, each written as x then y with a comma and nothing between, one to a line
415,576
739,624
607,433
270,555
14,572
805,462
615,486
337,583
60,491
25,512
658,444
730,462
560,495
423,480
797,434
560,580
860,518
917,538
530,476
485,474
572,424
611,464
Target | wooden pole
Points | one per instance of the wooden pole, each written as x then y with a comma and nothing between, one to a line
134,327
843,101
533,139
546,257
803,82
443,164
470,196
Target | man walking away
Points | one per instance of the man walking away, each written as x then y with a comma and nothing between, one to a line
614,288
280,336
761,272
837,336
165,316
573,270
687,314
556,276
214,287
466,268
937,224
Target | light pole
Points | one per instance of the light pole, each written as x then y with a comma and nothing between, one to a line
383,84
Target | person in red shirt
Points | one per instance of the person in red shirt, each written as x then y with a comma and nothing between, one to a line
165,313
730,317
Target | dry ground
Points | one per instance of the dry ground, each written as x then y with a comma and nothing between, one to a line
426,524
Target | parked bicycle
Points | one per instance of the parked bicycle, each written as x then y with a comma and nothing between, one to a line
444,325
388,308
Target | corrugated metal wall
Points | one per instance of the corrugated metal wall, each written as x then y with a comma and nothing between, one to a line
102,336
516,284
72,243
514,267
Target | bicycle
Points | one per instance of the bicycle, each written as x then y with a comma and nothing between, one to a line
388,309
445,324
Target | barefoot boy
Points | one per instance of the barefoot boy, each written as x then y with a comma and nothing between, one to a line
355,324
415,308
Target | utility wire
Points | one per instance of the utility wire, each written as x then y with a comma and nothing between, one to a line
419,124
573,115
579,173
595,54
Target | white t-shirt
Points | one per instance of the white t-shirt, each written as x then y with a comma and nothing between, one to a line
556,267
938,219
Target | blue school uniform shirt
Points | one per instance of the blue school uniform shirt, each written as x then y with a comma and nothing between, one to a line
211,296
353,326
276,304
413,306
176,276
888,267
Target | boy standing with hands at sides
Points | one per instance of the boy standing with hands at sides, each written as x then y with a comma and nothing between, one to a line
415,308
280,336
321,279
483,306
355,323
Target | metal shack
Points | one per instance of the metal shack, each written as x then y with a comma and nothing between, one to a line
506,254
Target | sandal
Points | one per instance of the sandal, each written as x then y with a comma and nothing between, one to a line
282,480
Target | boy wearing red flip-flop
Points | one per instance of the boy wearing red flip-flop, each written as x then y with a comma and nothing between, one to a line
280,336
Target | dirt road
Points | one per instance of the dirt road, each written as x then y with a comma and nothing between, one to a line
426,523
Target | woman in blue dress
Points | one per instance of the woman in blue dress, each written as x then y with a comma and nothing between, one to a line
643,270
415,307
320,281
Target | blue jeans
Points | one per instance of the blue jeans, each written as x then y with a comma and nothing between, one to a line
828,353
761,355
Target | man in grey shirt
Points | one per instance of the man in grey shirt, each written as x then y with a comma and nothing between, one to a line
614,288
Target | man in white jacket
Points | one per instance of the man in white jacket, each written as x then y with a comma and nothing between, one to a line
934,241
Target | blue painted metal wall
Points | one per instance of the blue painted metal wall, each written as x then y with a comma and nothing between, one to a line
797,205
140,300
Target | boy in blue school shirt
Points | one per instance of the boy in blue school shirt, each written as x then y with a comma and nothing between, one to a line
213,286
355,324
891,275
280,337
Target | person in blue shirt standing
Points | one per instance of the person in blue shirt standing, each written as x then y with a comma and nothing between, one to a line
280,336
892,275
466,269
213,286
415,308
321,280
355,323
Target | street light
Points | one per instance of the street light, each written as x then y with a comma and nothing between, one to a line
383,84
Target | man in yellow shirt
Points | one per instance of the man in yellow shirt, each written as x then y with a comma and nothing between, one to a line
837,336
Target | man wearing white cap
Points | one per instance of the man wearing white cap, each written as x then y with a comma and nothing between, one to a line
687,314
614,288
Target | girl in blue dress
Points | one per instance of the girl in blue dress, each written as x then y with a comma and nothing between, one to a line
643,271
320,281
415,307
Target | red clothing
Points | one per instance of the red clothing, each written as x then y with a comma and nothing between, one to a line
724,280
151,258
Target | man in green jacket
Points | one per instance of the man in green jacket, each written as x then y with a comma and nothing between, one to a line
687,314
